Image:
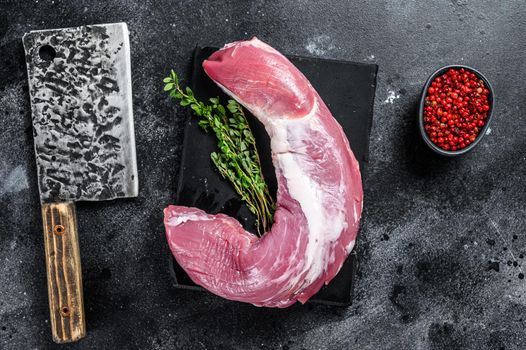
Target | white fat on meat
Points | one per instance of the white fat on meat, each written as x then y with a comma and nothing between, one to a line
308,193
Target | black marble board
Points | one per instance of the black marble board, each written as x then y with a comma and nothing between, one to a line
347,88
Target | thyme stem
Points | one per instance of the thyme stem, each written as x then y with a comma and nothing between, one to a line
236,158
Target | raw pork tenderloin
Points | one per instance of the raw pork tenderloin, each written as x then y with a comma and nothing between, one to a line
319,197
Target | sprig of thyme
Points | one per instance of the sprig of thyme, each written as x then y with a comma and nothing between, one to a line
236,157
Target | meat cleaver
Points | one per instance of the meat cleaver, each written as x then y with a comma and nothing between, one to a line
81,106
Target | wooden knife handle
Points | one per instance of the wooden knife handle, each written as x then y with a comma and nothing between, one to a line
64,276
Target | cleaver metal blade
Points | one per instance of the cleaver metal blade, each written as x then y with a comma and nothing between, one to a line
81,106
81,102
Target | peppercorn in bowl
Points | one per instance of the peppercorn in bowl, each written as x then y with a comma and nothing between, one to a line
455,110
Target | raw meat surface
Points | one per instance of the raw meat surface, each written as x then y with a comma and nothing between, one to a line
319,198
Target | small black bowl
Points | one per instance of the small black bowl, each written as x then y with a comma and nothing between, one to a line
491,100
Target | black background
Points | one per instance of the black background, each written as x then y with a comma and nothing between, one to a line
440,238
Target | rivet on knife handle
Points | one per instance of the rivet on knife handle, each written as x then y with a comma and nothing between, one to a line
64,276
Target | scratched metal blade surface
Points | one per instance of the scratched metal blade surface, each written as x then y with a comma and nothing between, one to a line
81,105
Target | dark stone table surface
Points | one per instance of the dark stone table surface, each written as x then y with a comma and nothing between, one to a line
443,240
